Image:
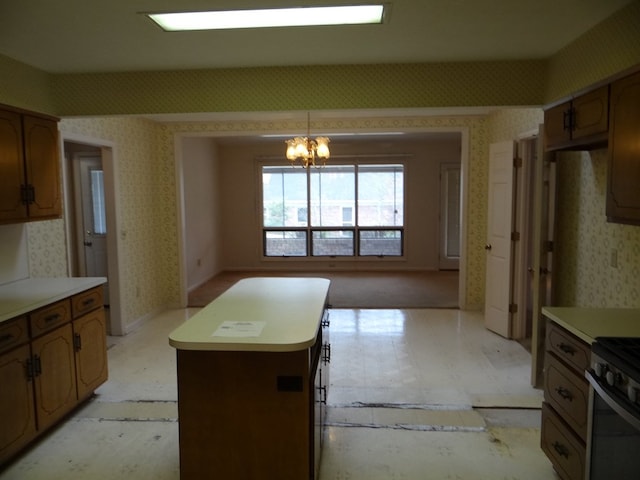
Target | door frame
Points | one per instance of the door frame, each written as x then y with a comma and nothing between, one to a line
108,152
445,262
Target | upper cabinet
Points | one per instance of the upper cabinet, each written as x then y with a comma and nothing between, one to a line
29,167
580,123
623,178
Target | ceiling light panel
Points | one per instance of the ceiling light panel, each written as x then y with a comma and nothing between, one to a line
272,17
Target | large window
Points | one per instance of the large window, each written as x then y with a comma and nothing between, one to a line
334,211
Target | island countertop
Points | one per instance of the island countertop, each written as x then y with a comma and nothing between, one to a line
22,296
590,323
273,314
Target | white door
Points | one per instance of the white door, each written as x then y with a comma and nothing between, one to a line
499,243
450,204
92,219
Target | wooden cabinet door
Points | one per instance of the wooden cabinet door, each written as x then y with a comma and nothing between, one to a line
90,339
623,189
590,114
55,375
12,208
17,414
557,125
43,169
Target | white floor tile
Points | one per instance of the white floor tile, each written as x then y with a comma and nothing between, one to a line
414,394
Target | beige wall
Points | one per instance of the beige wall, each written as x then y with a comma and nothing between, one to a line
202,207
242,215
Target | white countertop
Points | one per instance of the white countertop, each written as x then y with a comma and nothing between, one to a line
275,314
590,323
22,296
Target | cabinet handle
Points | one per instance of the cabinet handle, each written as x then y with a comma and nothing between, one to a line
77,342
88,302
51,318
568,349
6,337
27,194
37,366
323,391
325,320
568,119
564,393
326,353
561,449
29,367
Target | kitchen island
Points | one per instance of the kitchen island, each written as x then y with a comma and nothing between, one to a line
252,370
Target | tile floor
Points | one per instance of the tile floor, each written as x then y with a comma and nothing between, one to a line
415,394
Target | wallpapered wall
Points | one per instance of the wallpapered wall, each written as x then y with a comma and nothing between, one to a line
608,48
585,240
299,88
145,188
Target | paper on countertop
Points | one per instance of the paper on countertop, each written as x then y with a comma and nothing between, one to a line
239,329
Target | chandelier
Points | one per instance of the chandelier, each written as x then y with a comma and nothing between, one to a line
303,151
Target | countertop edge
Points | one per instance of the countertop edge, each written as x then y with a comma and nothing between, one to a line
590,323
241,347
43,292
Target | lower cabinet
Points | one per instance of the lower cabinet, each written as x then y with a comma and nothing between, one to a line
17,410
565,409
89,340
50,361
54,375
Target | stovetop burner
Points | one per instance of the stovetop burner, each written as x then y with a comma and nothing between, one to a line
623,352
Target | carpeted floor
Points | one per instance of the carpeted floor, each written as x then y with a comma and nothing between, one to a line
358,289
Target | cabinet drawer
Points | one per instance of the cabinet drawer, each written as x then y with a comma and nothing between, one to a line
569,348
50,317
567,393
564,449
13,333
86,301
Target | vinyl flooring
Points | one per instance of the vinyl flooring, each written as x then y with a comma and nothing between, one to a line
414,394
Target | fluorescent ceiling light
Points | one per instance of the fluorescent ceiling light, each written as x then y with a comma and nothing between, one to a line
272,17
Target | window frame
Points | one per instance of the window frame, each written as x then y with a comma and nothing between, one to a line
391,159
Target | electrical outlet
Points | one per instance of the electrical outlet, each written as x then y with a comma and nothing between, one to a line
199,262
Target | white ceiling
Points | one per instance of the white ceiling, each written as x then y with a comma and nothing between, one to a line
71,36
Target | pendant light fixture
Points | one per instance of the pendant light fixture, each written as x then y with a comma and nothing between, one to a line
304,151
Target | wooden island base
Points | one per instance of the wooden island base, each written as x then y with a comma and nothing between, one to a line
253,407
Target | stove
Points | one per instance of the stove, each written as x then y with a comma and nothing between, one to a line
616,361
613,441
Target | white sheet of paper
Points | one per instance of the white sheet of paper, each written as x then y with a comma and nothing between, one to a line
239,329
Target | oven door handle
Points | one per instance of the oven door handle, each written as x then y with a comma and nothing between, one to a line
610,400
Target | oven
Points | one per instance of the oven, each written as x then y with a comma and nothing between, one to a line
613,439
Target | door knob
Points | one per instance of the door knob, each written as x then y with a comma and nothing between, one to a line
487,247
88,244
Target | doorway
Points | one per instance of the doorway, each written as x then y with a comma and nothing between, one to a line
90,219
524,213
450,211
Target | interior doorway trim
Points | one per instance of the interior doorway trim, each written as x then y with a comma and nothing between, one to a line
109,165
464,131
